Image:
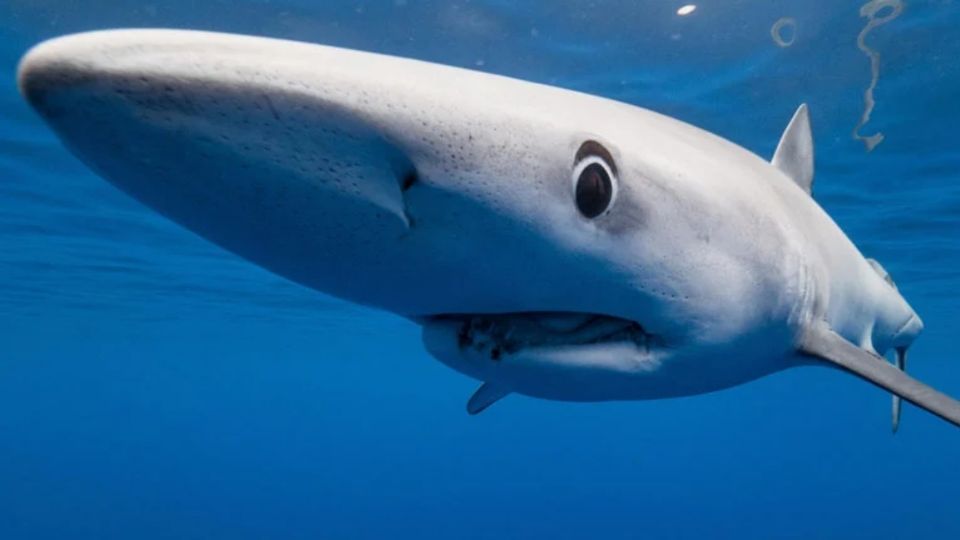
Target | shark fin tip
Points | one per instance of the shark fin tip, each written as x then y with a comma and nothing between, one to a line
486,395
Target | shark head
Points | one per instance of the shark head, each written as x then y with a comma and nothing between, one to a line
550,243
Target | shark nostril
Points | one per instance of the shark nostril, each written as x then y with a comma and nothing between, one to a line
409,180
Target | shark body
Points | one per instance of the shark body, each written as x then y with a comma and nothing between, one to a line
550,243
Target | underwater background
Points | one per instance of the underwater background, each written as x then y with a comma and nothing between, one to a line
154,386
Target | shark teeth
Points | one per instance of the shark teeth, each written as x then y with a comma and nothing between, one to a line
508,333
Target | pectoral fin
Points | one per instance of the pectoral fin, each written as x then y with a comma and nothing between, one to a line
821,342
485,396
902,366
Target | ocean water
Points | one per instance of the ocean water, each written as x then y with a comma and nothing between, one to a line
154,386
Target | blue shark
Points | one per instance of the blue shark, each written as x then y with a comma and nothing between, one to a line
548,242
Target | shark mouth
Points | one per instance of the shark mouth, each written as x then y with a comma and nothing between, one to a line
497,335
568,356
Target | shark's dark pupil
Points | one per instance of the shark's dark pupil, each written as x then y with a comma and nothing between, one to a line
594,190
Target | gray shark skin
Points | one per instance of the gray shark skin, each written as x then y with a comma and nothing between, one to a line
550,243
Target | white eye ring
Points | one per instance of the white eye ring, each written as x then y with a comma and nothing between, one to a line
595,186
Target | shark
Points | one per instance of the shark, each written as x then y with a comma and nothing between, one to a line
548,242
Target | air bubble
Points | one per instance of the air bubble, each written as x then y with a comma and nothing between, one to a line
784,31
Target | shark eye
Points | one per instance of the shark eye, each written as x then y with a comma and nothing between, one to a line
593,186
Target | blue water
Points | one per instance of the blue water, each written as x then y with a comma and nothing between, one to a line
154,386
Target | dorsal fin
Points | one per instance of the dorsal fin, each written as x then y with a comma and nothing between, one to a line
794,155
902,366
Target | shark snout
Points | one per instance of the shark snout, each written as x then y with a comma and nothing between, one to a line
281,165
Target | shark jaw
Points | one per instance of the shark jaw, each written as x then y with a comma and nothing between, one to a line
554,355
508,333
